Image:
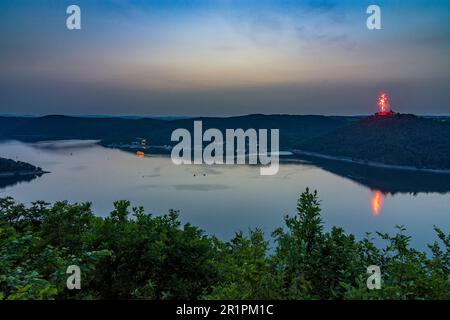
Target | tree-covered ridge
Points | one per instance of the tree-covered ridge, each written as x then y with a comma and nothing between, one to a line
134,255
402,139
116,131
12,166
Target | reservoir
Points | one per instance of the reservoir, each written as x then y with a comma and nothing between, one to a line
227,198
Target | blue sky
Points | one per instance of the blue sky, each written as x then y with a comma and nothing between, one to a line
223,57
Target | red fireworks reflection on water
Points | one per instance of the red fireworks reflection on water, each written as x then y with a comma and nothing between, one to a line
377,202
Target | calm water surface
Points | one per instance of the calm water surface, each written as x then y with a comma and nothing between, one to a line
224,199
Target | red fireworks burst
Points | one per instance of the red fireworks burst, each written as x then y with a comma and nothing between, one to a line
383,103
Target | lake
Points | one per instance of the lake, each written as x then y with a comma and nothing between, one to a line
225,199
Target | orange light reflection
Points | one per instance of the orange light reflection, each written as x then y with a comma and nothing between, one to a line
377,202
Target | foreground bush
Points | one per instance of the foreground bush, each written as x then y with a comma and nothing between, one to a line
134,255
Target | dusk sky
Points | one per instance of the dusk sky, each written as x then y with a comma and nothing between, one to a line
223,57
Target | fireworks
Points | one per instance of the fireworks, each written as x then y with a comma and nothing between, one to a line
384,105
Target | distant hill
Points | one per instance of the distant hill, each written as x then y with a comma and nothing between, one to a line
402,139
293,128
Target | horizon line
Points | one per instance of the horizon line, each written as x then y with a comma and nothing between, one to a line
175,117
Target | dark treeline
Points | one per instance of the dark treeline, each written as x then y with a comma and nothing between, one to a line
134,255
403,139
110,130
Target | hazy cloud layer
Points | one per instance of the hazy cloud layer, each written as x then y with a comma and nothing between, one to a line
223,57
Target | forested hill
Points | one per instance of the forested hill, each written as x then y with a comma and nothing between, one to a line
293,128
8,166
401,139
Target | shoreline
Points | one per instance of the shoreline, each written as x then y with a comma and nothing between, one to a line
296,152
370,163
12,174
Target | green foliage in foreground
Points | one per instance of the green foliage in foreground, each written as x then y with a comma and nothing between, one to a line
133,255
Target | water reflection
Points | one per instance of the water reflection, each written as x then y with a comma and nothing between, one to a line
12,181
386,181
383,182
377,202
